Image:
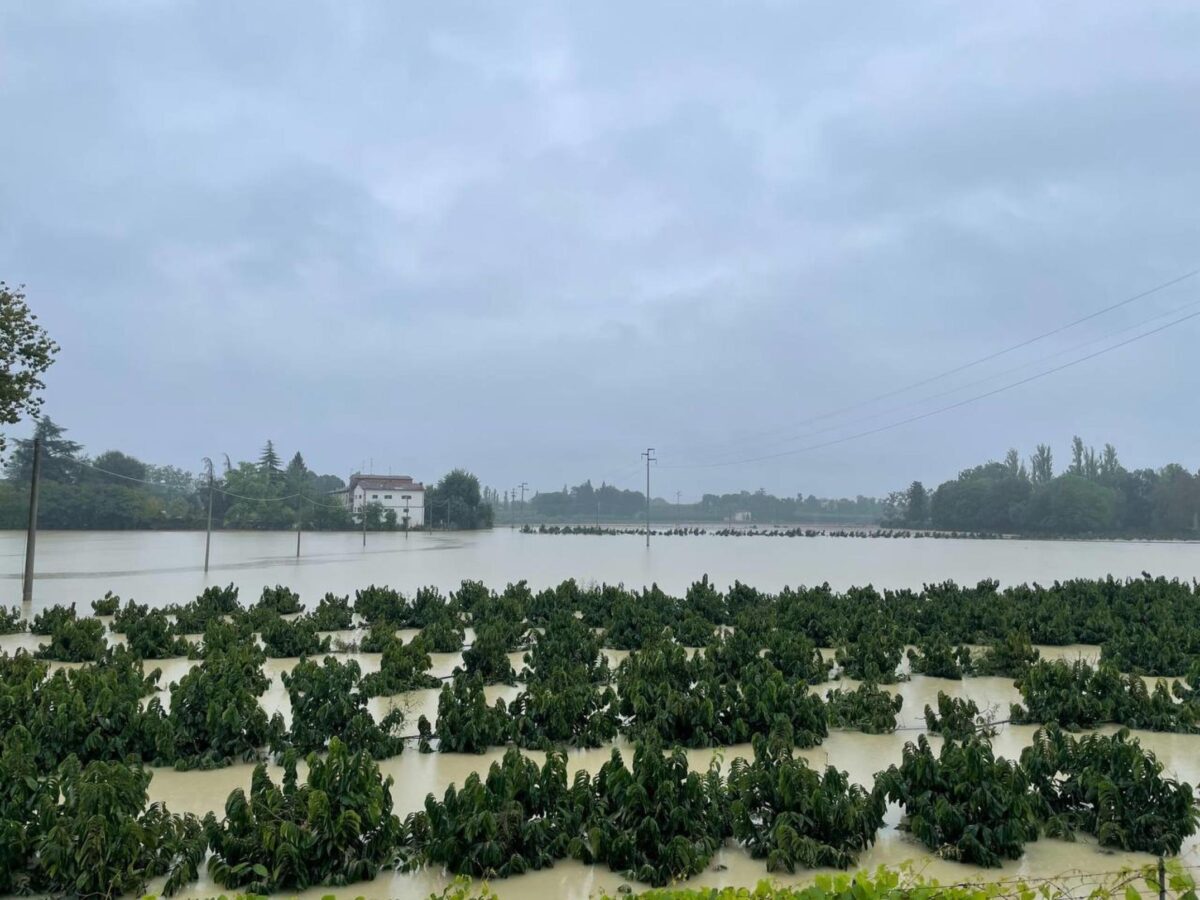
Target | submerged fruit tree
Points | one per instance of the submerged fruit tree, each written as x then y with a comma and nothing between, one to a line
965,803
792,816
1110,787
656,822
519,817
336,828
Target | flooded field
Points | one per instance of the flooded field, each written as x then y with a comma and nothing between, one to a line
164,568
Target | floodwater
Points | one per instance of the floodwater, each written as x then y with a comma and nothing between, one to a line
161,568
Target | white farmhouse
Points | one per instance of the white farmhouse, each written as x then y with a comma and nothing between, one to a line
395,492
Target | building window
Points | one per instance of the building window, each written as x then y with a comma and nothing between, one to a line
406,496
374,496
387,496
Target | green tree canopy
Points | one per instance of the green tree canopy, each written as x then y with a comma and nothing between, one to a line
26,352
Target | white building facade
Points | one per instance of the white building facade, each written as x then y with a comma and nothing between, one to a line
399,493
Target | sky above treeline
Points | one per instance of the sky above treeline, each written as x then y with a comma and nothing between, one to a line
533,239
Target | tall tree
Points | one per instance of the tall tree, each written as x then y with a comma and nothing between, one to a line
118,468
296,475
26,352
458,500
1078,452
58,454
1109,464
917,513
1041,464
268,462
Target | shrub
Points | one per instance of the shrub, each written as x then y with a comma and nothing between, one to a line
465,723
213,603
75,640
106,605
566,644
867,708
1009,657
873,656
128,614
790,815
693,631
45,621
563,709
382,605
935,658
279,599
87,831
220,636
95,712
796,656
1075,695
965,804
1108,786
215,713
333,613
151,637
957,719
334,829
519,818
327,701
282,638
444,634
656,822
11,621
487,656
403,667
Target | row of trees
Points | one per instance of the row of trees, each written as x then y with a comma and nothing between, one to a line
586,502
115,490
1094,495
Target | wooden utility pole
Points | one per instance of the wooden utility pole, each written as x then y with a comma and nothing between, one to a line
649,454
31,531
208,528
299,523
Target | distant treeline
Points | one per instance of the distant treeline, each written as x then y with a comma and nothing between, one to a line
587,503
115,490
1094,496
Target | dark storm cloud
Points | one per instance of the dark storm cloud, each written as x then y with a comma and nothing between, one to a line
534,238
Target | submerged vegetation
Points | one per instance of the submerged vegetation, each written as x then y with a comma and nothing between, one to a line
759,678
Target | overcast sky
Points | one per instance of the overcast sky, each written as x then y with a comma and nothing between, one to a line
532,239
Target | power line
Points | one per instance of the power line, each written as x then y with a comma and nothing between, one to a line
979,381
159,484
980,360
947,408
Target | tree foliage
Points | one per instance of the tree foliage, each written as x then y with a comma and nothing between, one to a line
334,829
792,816
965,803
26,352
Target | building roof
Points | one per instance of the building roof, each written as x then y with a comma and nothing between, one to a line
384,483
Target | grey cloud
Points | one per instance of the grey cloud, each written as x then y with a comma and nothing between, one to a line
554,234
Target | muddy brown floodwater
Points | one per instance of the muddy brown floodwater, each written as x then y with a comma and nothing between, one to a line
161,568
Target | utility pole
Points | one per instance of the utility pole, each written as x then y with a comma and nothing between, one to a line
406,518
208,528
649,455
523,486
299,523
678,494
512,510
31,532
364,517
